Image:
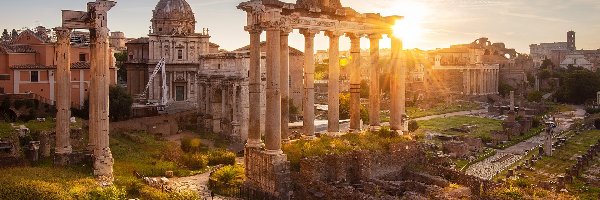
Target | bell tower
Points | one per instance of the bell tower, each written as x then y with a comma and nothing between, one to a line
571,41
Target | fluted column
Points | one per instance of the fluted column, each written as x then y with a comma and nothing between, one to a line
285,84
273,91
354,82
63,92
100,64
333,84
497,81
309,83
481,82
254,136
374,93
397,90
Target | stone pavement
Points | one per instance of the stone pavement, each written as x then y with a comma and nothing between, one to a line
197,183
491,166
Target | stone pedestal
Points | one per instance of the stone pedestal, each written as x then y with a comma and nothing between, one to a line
267,175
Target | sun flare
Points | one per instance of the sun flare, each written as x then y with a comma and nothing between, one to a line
410,29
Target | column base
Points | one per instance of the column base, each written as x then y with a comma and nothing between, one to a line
274,152
374,128
255,144
103,166
62,159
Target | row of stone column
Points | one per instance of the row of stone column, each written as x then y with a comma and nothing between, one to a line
481,81
98,142
99,91
277,86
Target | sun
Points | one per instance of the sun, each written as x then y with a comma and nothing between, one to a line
410,29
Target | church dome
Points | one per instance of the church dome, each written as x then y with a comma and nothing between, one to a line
173,17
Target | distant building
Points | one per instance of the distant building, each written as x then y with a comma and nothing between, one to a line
565,52
577,60
27,65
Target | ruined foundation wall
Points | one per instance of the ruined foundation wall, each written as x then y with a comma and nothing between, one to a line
163,124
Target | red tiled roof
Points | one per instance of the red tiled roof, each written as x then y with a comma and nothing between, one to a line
75,65
16,48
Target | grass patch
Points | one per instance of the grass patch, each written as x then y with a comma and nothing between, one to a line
300,149
483,126
441,108
6,131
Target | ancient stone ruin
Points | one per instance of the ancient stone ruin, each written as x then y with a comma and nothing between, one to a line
267,169
94,20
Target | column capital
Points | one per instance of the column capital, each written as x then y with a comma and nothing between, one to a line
285,31
309,32
354,36
375,36
333,34
62,34
253,29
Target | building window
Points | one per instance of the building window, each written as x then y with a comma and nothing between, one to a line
82,57
179,54
35,76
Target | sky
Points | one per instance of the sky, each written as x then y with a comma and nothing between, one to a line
433,23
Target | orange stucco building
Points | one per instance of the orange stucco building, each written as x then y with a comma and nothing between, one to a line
27,65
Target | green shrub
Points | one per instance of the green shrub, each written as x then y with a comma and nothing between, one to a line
386,133
152,193
221,157
172,152
195,161
413,126
230,174
227,180
107,193
191,145
184,195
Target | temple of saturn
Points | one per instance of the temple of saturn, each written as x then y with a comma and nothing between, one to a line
95,20
267,169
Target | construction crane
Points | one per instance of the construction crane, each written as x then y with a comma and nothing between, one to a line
165,90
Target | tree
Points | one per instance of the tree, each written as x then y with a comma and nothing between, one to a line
5,35
578,85
505,89
364,89
120,103
15,34
121,58
547,64
345,106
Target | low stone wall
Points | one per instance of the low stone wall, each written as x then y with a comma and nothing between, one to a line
478,186
267,175
163,124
